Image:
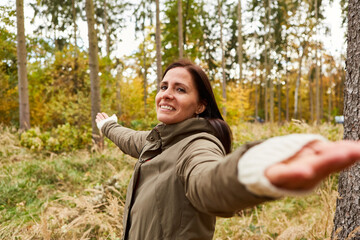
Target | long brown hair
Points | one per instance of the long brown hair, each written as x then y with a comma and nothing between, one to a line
206,94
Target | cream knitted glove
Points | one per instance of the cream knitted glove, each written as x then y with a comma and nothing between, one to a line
252,165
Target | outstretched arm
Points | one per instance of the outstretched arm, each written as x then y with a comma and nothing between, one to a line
129,141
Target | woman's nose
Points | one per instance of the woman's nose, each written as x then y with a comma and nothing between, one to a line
167,94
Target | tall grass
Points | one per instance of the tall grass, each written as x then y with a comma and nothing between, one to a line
81,194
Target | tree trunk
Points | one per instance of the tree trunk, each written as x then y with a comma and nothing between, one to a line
76,65
107,34
222,57
158,46
118,93
297,87
311,101
271,85
329,99
347,215
94,72
256,96
287,84
144,73
279,101
240,42
321,90
317,79
24,109
180,30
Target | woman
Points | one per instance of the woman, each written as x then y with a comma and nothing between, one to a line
186,175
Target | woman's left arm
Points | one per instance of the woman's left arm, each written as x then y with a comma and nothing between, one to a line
254,173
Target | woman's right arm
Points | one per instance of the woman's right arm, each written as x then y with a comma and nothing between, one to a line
129,141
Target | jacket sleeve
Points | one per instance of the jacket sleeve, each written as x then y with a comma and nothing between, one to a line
210,179
129,141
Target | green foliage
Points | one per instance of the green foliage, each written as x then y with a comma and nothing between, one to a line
59,90
192,31
8,68
63,138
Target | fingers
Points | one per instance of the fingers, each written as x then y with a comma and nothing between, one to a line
291,177
101,116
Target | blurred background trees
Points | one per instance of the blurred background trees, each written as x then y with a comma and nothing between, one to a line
266,59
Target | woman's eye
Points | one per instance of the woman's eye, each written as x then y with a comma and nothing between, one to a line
181,90
163,87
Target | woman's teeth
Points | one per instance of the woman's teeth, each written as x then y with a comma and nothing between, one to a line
167,107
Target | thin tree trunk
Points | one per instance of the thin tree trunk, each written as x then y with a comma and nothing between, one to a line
118,93
240,42
76,65
266,84
287,86
317,83
311,101
347,214
329,99
321,90
256,96
24,108
180,29
158,46
107,33
94,72
279,101
144,74
297,88
222,57
271,85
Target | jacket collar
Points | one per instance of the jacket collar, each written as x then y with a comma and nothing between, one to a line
164,135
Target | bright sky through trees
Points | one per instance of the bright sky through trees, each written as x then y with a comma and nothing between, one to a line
128,43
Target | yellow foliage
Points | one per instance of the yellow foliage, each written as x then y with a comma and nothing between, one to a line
237,104
132,99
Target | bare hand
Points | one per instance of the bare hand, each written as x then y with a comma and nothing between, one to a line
313,163
101,116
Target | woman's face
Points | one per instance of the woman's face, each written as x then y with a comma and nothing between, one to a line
178,98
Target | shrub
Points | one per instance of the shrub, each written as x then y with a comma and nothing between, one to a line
64,138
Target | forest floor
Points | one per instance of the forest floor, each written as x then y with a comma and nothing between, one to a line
81,194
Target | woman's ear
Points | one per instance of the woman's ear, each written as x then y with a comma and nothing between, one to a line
201,107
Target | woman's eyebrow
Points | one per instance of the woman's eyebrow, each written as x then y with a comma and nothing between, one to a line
181,84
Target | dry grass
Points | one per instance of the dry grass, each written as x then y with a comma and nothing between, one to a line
76,196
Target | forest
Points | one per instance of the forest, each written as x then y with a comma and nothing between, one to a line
61,63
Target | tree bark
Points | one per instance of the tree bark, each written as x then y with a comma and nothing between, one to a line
107,34
240,42
311,101
222,57
297,86
144,73
76,65
94,72
279,101
24,108
317,81
271,85
287,85
180,30
329,99
347,215
158,46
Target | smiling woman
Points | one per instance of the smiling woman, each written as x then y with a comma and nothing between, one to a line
185,175
178,98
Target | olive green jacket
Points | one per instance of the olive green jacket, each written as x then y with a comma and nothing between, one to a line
181,182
